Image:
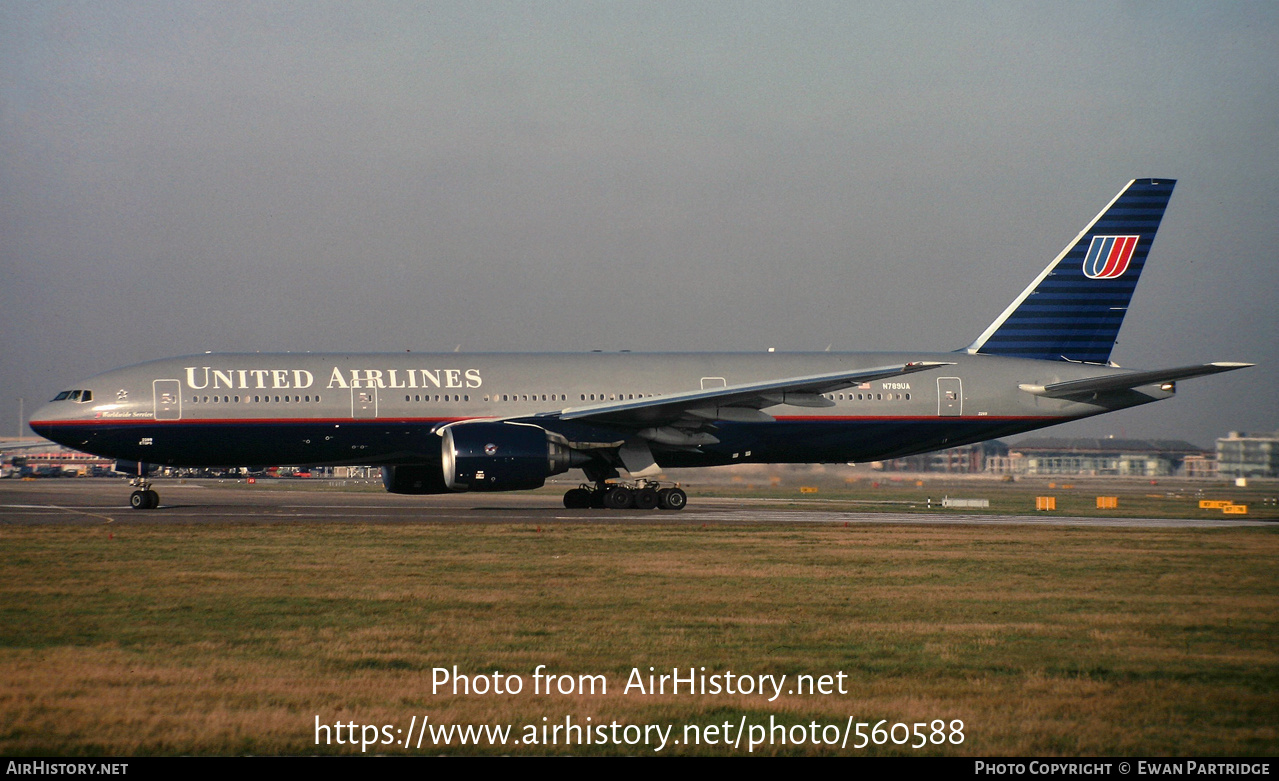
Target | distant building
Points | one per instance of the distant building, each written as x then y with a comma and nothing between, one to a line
968,459
52,460
1199,466
1103,457
1240,455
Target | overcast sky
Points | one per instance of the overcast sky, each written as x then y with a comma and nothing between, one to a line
181,177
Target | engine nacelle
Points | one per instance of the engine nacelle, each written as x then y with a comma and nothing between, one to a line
414,479
503,457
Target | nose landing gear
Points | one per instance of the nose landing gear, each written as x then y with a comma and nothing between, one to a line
144,498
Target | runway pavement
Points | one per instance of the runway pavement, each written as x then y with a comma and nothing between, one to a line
101,501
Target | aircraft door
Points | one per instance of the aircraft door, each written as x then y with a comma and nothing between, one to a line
950,396
168,399
363,403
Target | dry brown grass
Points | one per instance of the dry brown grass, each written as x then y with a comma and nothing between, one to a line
1043,641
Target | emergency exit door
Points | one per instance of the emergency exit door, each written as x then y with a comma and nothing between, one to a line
950,397
168,399
363,403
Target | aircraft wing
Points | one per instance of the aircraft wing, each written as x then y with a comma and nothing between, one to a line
1128,380
743,402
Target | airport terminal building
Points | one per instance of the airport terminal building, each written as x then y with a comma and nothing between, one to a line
1104,457
1242,455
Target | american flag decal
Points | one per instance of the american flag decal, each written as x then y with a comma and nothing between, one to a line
1108,256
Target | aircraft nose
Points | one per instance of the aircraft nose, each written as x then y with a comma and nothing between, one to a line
49,420
41,418
50,410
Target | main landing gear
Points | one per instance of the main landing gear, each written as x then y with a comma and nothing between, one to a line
643,495
143,498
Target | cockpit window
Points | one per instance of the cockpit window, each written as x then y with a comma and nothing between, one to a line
75,395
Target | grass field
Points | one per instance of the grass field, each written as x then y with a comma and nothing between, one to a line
231,639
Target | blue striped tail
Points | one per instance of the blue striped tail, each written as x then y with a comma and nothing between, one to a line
1074,308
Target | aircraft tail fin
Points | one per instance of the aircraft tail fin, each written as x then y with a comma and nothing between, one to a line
1074,308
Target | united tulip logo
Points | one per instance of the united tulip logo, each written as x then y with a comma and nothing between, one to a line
1108,256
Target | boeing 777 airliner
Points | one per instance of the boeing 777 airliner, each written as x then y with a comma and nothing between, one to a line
440,423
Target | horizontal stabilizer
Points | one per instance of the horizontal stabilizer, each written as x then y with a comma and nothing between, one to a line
1128,380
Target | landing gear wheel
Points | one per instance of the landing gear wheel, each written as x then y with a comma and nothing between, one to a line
619,498
672,499
645,499
144,500
577,499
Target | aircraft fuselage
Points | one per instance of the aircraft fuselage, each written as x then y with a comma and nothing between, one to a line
505,422
382,409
